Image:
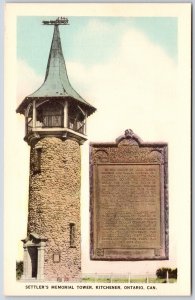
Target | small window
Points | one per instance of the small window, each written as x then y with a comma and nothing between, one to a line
72,235
37,165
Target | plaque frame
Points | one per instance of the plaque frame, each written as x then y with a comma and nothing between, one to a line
129,149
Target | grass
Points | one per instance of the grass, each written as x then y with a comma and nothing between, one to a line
125,280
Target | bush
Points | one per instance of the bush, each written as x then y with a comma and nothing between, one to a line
19,269
173,273
162,273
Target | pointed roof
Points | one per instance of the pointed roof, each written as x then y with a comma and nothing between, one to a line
56,83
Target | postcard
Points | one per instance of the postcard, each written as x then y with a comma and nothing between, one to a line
97,149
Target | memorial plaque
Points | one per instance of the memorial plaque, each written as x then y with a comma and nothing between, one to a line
129,203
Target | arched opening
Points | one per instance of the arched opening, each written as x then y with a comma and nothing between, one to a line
50,114
76,119
54,114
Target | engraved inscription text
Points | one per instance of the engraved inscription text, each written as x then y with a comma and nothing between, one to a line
127,206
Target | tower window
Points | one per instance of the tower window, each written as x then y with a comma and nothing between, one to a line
72,234
37,166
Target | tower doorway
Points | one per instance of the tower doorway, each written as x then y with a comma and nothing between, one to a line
34,257
33,253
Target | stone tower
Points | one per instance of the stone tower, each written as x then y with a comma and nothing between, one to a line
55,122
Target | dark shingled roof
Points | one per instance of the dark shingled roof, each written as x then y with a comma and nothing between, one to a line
56,83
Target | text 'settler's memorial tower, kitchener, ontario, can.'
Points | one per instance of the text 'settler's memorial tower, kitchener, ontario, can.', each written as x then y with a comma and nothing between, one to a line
55,121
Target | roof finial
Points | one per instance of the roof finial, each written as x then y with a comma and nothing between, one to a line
58,21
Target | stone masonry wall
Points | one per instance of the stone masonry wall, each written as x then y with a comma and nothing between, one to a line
54,204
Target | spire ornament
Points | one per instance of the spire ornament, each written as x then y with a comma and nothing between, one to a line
58,21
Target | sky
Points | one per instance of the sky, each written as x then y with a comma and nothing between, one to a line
127,68
90,39
138,52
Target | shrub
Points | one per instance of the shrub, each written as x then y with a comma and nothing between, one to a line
173,273
19,269
162,273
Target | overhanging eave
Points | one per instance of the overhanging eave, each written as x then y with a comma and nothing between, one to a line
22,107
